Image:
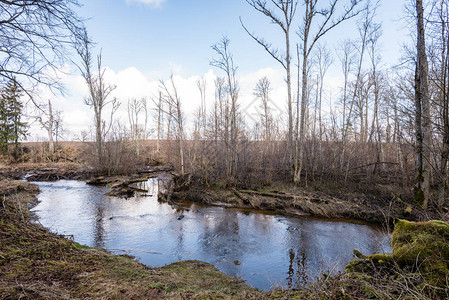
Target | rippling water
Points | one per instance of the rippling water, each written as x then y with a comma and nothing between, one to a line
265,250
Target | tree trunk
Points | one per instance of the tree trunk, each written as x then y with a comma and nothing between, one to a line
51,143
422,116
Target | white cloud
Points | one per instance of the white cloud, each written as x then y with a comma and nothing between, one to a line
132,83
151,3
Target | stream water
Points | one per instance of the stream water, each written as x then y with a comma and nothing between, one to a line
266,250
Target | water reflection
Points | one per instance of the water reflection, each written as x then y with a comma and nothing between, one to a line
297,269
98,229
265,250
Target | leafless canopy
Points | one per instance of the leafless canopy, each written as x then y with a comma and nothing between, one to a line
288,9
34,36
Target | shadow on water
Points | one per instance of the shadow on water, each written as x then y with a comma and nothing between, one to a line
266,250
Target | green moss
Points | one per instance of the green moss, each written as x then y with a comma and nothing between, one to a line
369,264
418,197
408,210
423,247
381,258
79,246
142,179
418,248
157,285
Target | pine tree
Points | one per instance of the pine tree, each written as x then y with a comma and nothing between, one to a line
11,126
5,127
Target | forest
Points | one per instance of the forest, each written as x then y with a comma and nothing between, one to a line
383,127
376,151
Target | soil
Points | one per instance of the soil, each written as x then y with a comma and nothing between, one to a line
288,199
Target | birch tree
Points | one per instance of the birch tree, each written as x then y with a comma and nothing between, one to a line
99,93
286,10
309,37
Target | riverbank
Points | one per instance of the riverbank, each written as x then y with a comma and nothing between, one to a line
46,171
373,204
336,202
37,264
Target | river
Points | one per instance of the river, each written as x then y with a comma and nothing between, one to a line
266,250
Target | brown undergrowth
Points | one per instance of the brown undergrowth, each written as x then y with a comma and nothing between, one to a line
292,200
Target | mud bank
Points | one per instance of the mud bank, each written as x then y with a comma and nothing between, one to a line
298,202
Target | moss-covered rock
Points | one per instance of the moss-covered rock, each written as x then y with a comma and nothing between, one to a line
419,250
423,247
370,264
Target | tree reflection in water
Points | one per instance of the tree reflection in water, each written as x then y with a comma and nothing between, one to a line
99,227
297,270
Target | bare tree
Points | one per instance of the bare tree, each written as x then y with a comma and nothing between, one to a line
225,62
347,60
145,108
262,91
309,39
377,90
137,107
35,41
99,92
438,53
160,119
364,29
49,120
422,114
287,10
171,98
36,36
324,61
202,85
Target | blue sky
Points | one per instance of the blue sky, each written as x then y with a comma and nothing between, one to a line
178,33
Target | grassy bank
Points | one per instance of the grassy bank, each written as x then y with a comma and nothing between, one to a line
37,264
